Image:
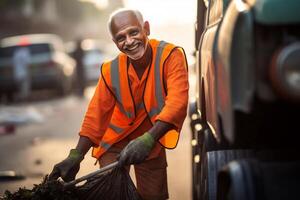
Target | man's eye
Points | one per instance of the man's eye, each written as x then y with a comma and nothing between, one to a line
134,32
120,39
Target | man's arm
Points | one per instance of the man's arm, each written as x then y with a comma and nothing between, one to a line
171,116
84,144
176,79
94,125
159,129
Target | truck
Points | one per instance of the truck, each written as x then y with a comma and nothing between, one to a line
245,112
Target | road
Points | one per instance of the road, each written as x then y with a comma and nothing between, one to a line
52,130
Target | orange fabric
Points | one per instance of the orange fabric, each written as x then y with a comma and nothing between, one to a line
177,86
102,105
176,76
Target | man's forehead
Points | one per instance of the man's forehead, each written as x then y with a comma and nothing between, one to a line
124,19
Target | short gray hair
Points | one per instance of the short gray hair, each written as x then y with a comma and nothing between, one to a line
137,13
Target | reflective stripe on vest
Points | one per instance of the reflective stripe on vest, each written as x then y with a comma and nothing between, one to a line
115,128
115,81
158,88
104,145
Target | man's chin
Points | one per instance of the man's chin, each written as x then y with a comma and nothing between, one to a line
136,56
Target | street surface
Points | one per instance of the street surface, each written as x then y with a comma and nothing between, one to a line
51,130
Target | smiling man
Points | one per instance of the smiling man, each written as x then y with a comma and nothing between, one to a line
138,107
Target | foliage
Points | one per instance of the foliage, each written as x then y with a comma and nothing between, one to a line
47,190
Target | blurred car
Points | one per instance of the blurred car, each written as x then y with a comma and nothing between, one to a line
50,67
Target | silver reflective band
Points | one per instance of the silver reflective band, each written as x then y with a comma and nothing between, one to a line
153,111
104,145
115,128
158,89
115,81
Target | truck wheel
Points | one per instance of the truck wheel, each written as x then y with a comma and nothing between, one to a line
211,163
237,180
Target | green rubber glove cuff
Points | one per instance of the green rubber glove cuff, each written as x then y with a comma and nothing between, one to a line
148,140
76,155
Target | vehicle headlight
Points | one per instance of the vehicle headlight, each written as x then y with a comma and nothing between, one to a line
285,71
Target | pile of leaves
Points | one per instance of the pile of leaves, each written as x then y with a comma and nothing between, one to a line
47,190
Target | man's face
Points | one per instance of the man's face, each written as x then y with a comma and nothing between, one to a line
129,35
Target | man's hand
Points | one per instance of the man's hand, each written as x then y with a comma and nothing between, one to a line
68,168
137,150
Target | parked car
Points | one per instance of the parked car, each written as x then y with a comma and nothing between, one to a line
245,120
50,67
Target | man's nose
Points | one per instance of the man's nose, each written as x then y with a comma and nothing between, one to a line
129,40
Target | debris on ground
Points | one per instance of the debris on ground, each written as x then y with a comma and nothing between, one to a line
9,175
20,115
6,129
47,190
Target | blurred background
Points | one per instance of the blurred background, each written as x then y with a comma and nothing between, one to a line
61,44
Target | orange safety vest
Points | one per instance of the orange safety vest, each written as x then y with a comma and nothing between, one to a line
115,76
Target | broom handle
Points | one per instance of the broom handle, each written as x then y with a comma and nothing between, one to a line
92,174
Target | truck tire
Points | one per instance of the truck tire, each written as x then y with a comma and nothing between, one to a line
252,179
211,163
241,186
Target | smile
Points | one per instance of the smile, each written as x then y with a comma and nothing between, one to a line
133,47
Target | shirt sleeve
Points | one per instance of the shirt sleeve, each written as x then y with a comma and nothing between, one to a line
176,79
98,114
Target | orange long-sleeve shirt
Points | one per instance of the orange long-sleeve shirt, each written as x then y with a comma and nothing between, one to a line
101,106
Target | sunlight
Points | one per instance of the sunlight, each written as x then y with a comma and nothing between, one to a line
162,11
101,4
170,20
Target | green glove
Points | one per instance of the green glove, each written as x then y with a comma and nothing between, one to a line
137,150
68,168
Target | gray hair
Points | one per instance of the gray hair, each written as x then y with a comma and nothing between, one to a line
137,13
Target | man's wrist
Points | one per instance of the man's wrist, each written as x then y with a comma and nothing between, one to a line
148,140
76,155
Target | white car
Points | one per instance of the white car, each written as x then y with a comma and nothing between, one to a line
49,64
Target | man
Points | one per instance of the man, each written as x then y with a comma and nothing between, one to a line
138,107
21,60
80,73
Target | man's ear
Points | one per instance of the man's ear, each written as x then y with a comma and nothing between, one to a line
147,27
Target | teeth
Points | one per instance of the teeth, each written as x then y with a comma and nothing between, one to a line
133,47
